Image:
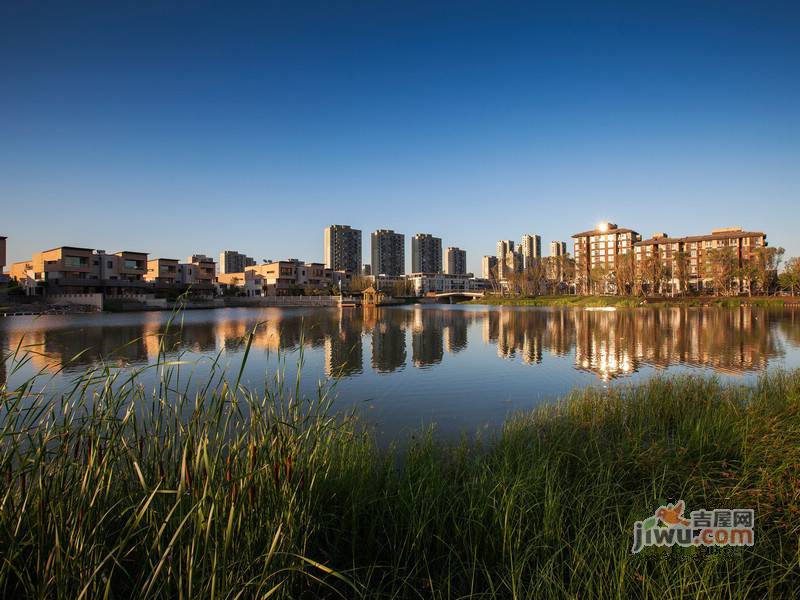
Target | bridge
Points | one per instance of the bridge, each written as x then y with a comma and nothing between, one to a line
452,297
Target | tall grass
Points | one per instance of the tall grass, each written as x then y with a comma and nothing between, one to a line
112,490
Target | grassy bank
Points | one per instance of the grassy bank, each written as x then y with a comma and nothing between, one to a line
625,301
235,493
574,301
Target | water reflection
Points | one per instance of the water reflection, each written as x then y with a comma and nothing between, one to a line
606,344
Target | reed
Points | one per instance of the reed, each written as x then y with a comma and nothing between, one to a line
211,490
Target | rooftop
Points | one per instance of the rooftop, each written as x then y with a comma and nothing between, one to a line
600,231
69,248
717,234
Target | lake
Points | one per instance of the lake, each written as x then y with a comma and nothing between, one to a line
463,367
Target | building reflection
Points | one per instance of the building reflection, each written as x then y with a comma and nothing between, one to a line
427,337
528,334
733,341
389,341
604,343
344,348
607,344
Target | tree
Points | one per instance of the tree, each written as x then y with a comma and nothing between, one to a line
599,277
401,288
790,278
624,274
764,266
653,272
359,283
494,280
722,265
533,277
681,267
567,269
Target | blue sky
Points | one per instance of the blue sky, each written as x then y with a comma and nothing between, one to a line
196,127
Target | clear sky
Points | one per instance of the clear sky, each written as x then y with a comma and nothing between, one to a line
196,127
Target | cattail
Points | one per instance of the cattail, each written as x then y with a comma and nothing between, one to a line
276,471
228,469
234,493
251,494
289,469
187,474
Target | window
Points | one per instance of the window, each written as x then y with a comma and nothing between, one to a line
131,264
110,264
74,261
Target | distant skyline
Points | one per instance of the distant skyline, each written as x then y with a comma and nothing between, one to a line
179,129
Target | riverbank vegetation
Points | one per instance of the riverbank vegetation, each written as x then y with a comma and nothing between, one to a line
627,301
116,491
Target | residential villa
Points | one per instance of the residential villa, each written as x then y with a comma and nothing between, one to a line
163,271
69,269
293,276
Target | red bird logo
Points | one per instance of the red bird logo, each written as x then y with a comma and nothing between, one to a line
672,514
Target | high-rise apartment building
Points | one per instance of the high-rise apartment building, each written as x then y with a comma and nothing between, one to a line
2,254
426,253
600,248
531,249
489,267
455,261
558,249
504,249
231,261
514,262
342,249
388,252
556,265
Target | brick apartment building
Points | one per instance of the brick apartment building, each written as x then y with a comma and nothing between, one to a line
600,247
693,250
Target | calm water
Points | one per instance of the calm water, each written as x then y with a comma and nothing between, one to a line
463,367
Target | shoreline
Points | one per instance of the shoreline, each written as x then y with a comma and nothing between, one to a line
636,301
567,301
